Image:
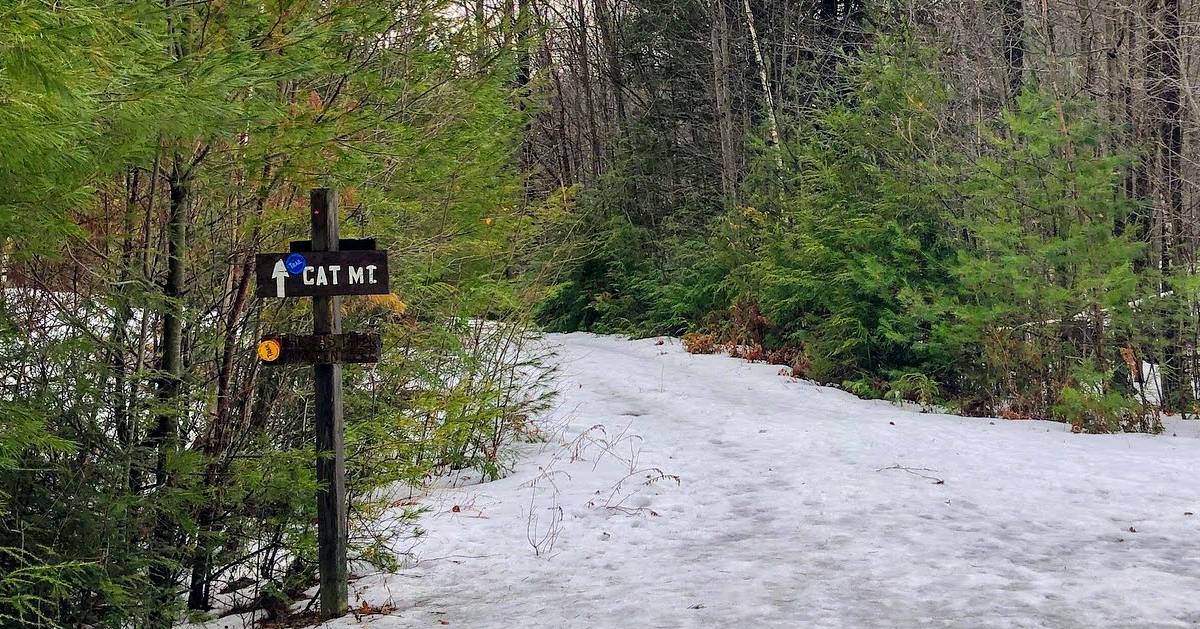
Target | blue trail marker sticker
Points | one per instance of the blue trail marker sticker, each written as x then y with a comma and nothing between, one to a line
295,263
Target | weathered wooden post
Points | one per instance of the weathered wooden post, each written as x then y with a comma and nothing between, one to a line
332,532
325,268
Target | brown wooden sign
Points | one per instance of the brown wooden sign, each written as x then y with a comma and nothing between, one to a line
344,244
321,273
316,349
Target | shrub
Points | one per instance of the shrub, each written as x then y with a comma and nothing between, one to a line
696,343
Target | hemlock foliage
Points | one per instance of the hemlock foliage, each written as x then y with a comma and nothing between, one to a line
887,259
142,137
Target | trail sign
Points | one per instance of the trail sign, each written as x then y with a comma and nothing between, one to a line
344,244
312,349
325,268
321,273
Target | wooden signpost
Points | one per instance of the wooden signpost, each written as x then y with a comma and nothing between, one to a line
321,269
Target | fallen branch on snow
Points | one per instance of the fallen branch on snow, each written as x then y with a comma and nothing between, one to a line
915,471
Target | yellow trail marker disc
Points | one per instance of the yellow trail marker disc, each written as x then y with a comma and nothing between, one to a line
269,350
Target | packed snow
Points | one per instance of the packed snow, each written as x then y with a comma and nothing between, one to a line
676,490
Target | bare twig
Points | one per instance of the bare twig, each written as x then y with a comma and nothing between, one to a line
915,471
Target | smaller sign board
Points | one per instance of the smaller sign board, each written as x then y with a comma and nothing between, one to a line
309,349
344,244
321,273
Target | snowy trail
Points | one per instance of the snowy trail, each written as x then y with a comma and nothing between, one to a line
782,516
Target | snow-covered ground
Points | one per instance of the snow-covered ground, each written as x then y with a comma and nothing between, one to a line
703,491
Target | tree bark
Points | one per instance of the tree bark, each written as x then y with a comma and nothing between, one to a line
1013,19
165,435
772,122
1165,70
720,72
609,32
585,79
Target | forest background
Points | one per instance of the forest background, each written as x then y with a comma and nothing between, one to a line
987,205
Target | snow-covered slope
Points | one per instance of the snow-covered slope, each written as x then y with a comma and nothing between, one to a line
703,491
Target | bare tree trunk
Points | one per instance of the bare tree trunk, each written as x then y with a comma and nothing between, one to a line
122,314
720,72
524,74
165,435
481,32
610,32
772,122
1014,45
1138,184
217,441
566,171
585,80
1165,79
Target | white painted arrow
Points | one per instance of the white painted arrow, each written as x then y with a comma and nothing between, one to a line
279,275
